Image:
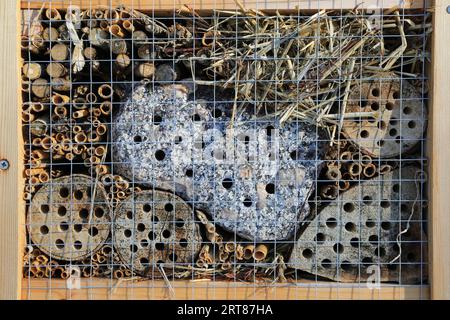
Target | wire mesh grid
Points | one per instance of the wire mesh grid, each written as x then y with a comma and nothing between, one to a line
232,146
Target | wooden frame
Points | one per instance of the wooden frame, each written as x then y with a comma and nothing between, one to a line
12,214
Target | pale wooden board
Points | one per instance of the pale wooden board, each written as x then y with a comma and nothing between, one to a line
11,185
439,216
40,289
229,4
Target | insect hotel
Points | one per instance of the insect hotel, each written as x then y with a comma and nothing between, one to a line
241,149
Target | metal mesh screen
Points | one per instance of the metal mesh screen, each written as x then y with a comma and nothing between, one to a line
228,146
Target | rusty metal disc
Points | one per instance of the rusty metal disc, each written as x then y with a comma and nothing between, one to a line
69,218
155,228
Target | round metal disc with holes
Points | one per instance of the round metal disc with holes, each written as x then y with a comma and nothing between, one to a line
398,120
69,218
153,228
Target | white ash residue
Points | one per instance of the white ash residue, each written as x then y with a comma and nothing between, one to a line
253,178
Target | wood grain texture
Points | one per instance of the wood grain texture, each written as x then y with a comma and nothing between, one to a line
45,289
228,4
11,187
439,216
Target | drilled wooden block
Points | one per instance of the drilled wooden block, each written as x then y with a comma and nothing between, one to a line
398,120
155,228
69,218
356,235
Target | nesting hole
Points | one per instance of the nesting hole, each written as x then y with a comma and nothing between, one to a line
83,213
373,239
307,253
45,208
247,202
375,106
364,134
151,235
166,234
189,173
385,225
77,245
326,263
99,212
270,188
157,119
354,242
319,238
159,246
196,117
93,231
59,243
160,155
134,248
217,113
141,227
227,183
349,207
385,204
62,211
144,243
331,223
367,200
183,243
64,192
376,92
127,233
350,227
78,194
168,207
77,227
390,106
64,226
179,223
338,248
407,110
137,139
44,229
393,132
147,207
370,223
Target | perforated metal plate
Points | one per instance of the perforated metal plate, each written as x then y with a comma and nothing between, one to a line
358,231
154,228
69,218
398,120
